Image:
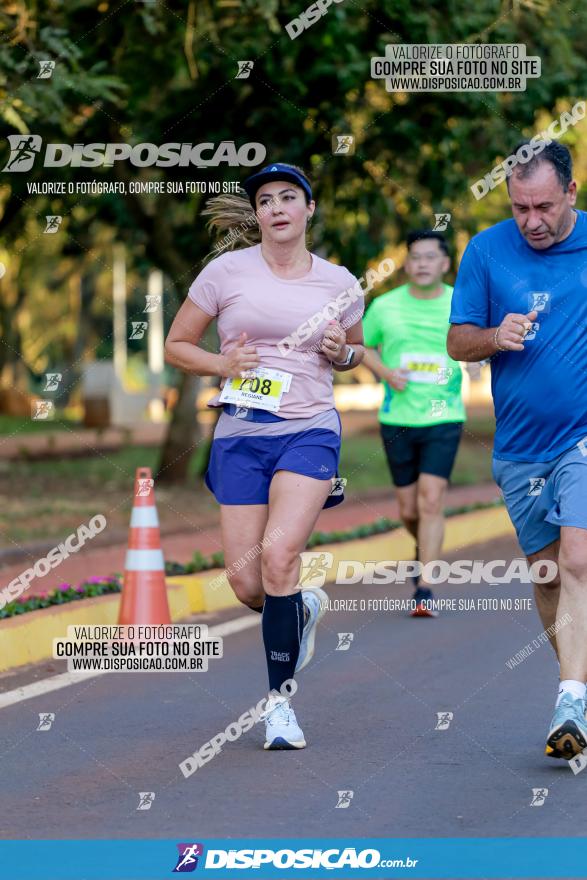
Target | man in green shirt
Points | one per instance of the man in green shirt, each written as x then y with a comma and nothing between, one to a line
422,413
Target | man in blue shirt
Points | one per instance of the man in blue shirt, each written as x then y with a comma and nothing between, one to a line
521,299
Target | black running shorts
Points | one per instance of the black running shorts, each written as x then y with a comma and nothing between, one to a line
427,450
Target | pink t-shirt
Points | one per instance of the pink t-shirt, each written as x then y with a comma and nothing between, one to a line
284,318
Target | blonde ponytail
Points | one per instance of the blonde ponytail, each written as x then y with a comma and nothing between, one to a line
233,221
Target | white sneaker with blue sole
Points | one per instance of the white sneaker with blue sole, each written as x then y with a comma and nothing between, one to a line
316,602
282,730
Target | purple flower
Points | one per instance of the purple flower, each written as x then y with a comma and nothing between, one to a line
80,590
65,587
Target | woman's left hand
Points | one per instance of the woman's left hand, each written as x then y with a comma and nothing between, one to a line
333,342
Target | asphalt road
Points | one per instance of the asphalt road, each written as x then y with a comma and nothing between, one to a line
369,715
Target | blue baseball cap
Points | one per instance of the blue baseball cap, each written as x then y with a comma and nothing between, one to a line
277,171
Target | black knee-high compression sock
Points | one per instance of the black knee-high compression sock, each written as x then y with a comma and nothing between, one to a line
283,619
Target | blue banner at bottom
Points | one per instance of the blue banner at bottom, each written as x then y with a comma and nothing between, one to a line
287,858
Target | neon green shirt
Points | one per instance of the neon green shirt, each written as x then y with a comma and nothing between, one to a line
411,334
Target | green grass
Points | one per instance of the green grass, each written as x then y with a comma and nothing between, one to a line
18,425
363,463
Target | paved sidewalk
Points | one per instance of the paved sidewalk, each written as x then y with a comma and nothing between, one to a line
103,561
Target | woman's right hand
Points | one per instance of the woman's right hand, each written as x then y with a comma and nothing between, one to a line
240,359
397,379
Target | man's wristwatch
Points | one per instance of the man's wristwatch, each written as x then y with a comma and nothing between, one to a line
349,358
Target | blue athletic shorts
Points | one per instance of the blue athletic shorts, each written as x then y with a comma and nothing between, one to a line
250,445
543,496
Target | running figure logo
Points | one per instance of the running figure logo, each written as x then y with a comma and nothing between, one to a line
42,410
23,151
438,407
443,375
145,486
539,301
244,69
338,486
46,69
153,301
441,222
138,329
343,145
46,719
344,641
53,223
188,857
52,381
531,333
344,799
536,485
315,567
443,720
146,799
539,795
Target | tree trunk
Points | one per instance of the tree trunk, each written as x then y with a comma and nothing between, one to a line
183,435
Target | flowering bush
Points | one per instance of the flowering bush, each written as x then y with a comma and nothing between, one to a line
95,586
99,586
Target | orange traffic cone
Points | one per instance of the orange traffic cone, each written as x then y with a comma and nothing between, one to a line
144,594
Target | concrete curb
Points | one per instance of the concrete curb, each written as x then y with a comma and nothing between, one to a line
28,638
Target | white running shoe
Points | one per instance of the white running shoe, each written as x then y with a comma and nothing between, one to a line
316,602
282,730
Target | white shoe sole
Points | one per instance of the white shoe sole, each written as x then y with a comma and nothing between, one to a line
281,744
323,597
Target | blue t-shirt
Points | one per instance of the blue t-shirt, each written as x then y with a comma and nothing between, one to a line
540,394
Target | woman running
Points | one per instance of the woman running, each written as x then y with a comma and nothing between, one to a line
285,319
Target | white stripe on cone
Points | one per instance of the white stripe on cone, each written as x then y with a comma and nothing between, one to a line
144,516
144,560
